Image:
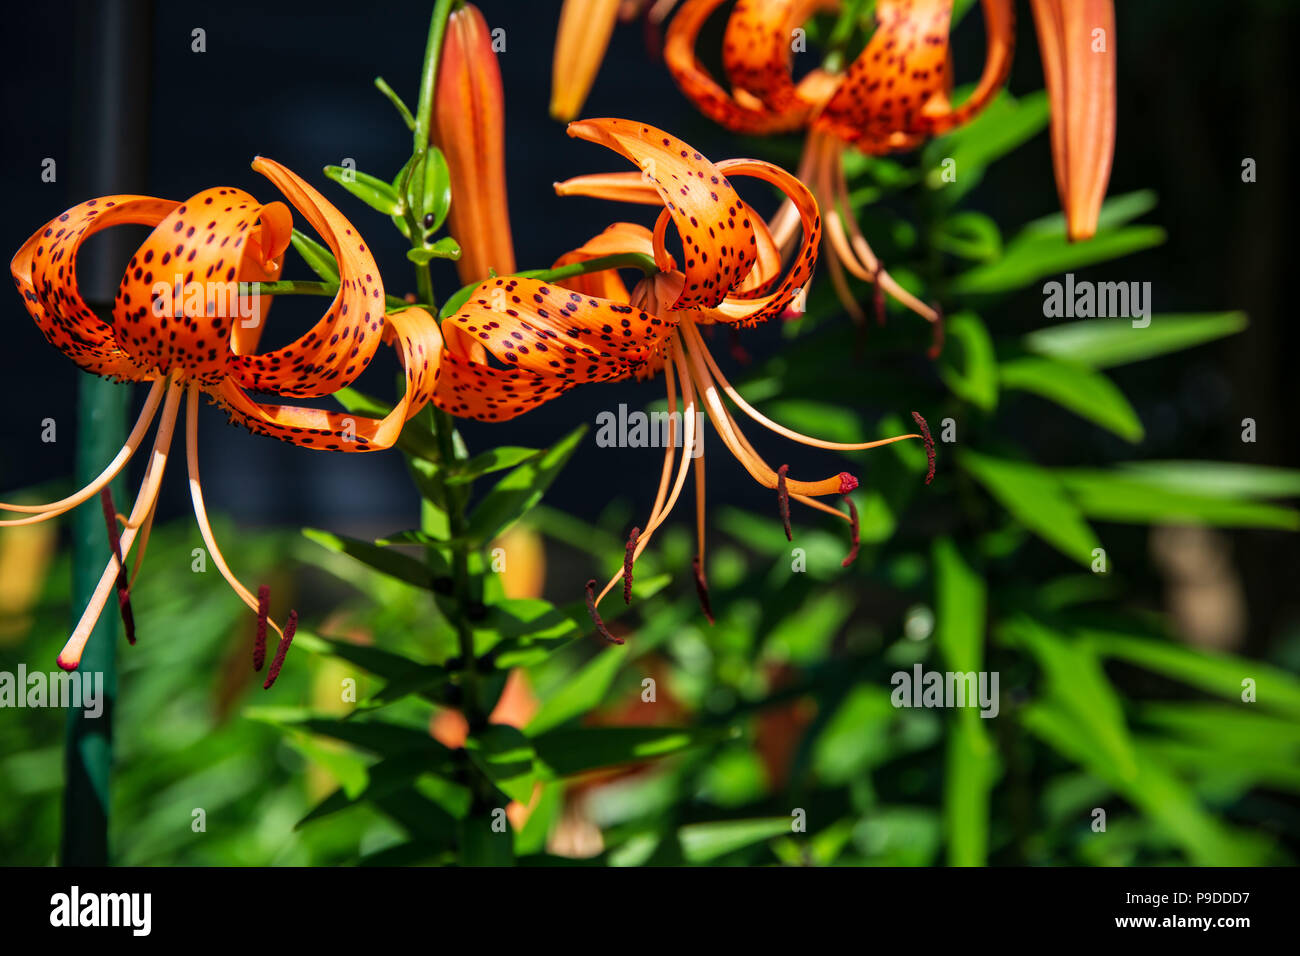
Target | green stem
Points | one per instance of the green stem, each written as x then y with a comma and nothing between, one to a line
301,287
456,496
101,430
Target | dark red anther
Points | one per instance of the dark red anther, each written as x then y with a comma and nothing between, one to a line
936,343
929,445
263,613
702,588
783,500
290,626
123,582
854,534
595,615
629,556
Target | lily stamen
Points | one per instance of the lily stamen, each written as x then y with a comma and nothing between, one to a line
592,601
628,557
263,614
70,656
290,627
201,512
133,441
783,501
115,543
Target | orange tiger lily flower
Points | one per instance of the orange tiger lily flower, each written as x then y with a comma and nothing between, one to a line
183,322
547,337
892,97
1077,40
469,127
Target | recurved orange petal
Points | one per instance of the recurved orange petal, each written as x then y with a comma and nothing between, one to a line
896,93
717,234
758,50
45,272
738,113
416,335
340,346
181,294
540,327
753,307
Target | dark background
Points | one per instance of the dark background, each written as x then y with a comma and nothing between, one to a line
1202,85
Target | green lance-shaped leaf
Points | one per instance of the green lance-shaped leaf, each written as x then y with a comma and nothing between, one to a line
961,605
505,756
1106,344
1029,258
705,842
385,560
580,692
496,459
563,753
1222,479
1087,393
1036,498
320,259
371,190
1137,498
968,366
522,488
970,235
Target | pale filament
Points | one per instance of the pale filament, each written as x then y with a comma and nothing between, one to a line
833,193
201,513
145,501
659,514
133,441
698,344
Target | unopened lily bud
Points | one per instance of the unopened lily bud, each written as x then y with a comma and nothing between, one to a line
469,127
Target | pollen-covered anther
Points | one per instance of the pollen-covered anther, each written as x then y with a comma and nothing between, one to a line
263,613
855,535
629,557
783,499
595,615
929,445
702,589
123,584
290,626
